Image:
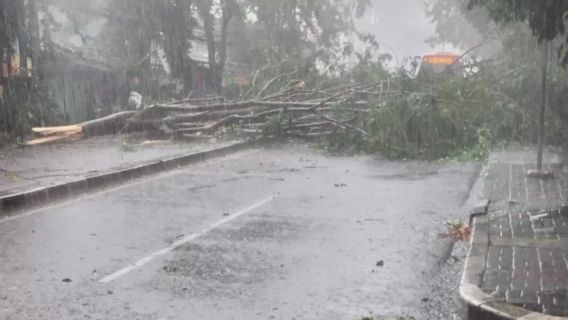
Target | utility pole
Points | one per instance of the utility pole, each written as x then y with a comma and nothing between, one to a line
543,101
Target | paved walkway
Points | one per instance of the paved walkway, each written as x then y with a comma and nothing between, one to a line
22,169
527,260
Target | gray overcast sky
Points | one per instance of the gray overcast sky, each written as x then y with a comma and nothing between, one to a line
400,26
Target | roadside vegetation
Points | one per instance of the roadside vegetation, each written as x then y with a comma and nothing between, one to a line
491,104
495,97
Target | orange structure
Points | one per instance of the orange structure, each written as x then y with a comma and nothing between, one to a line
444,58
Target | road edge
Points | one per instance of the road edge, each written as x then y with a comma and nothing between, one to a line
16,203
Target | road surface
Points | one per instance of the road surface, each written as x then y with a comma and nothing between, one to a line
262,234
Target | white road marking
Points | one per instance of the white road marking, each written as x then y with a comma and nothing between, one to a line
183,241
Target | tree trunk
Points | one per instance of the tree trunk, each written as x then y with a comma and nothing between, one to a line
22,34
209,26
8,20
228,11
35,52
34,30
177,34
543,101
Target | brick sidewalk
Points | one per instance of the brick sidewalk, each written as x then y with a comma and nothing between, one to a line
527,258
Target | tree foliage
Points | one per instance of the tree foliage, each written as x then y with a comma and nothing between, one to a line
455,23
463,117
469,30
252,32
135,28
546,18
301,30
21,102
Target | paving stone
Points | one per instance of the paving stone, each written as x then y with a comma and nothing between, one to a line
519,190
551,191
521,225
562,226
522,269
500,225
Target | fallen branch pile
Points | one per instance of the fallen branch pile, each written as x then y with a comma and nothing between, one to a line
294,111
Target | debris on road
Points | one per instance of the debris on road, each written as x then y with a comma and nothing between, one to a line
305,239
206,186
457,231
292,112
107,125
169,269
539,174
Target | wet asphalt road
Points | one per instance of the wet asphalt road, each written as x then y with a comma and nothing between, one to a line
261,234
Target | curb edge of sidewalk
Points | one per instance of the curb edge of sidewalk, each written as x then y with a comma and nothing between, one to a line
13,204
476,300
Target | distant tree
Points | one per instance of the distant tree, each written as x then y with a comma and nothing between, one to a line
79,14
546,18
19,32
302,30
134,26
12,15
212,12
455,23
176,24
258,31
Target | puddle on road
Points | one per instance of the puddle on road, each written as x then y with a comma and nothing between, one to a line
227,258
265,229
202,269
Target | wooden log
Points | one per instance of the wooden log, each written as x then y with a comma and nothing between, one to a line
311,124
199,116
251,131
187,118
290,110
54,131
343,124
199,101
257,103
310,134
62,136
215,125
195,136
107,125
188,125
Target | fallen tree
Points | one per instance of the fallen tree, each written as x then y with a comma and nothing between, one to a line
293,111
107,125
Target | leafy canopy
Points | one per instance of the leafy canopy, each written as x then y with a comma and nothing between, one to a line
546,18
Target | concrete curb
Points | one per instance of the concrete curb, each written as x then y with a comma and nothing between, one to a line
480,305
11,204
